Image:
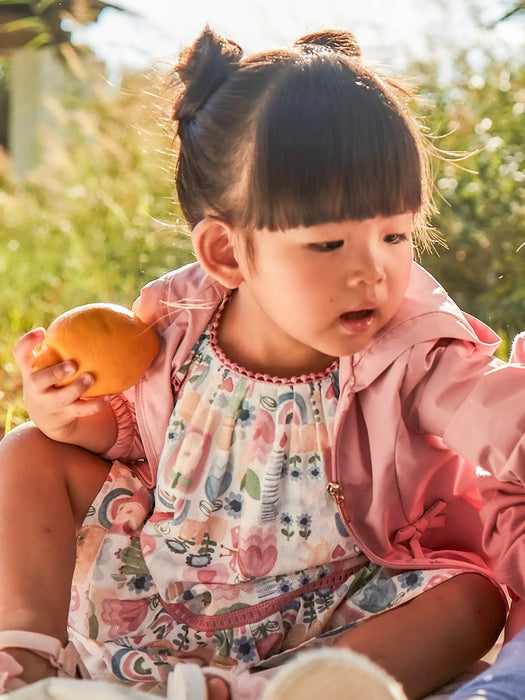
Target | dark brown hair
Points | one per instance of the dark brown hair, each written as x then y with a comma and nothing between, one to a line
296,137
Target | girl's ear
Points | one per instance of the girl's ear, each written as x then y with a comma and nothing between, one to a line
213,241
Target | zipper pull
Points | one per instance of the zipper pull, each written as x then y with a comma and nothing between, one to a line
335,491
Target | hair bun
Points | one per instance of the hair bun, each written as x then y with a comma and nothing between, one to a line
337,40
202,69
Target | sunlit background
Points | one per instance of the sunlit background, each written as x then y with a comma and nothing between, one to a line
392,32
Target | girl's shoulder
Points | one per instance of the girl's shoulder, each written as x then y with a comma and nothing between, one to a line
188,288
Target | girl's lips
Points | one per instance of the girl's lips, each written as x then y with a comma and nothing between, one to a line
358,321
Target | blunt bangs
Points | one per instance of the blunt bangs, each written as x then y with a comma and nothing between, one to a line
331,144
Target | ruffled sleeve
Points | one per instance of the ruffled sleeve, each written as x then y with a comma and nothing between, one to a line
128,446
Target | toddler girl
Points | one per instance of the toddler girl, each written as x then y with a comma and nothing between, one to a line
292,470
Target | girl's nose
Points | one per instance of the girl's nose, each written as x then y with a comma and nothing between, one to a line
365,268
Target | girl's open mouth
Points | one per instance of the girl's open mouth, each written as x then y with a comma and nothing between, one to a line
358,321
353,315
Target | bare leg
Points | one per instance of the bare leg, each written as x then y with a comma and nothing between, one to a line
427,641
46,489
434,637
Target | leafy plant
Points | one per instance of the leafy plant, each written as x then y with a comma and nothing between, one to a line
481,198
94,222
35,23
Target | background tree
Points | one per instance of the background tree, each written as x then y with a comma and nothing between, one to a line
517,8
482,198
34,23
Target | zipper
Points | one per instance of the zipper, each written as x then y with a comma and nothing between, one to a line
335,492
333,488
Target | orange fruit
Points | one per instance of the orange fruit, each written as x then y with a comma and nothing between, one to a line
106,340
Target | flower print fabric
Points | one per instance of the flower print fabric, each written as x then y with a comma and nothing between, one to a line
241,499
240,553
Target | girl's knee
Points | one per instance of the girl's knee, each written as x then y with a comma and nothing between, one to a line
26,452
25,431
27,444
22,444
27,447
483,606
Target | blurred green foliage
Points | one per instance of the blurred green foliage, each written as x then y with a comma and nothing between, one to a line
481,198
94,222
97,219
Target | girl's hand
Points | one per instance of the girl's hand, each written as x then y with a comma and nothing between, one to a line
55,410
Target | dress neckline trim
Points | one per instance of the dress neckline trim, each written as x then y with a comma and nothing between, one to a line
259,376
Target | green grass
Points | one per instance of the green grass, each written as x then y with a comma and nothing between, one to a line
94,222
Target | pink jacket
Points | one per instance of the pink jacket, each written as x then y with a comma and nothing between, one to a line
420,400
503,514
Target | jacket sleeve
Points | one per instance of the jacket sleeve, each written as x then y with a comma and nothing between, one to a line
474,402
150,307
503,517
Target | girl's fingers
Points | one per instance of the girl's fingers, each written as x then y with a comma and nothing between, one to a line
48,377
23,350
61,399
71,395
73,391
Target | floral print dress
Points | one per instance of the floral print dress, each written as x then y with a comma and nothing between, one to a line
239,554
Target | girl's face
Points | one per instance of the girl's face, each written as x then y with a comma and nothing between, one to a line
313,294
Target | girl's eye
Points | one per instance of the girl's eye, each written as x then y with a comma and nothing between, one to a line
396,238
325,247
